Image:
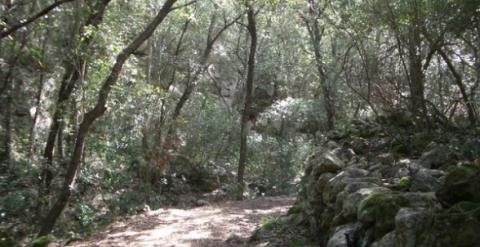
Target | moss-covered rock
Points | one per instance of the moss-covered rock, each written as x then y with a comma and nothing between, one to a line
360,145
457,226
436,156
327,162
388,240
379,210
409,223
339,238
42,241
426,200
405,182
349,204
461,184
400,150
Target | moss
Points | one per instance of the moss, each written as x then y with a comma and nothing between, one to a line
268,224
456,226
296,209
380,209
465,207
405,182
297,243
400,150
458,173
42,241
373,180
461,184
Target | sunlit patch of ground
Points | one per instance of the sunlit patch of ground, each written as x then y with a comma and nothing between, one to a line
198,227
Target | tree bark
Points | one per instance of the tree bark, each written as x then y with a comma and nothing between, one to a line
252,29
97,111
416,75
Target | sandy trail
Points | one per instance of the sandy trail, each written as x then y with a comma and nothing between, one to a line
228,223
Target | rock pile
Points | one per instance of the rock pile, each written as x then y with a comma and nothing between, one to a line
369,188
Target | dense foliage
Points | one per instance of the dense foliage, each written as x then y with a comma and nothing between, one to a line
107,106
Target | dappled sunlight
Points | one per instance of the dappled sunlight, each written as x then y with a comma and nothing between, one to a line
203,226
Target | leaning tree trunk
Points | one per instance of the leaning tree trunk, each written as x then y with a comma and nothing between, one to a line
97,111
70,78
470,105
252,29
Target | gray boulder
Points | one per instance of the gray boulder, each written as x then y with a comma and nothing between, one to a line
409,223
437,155
350,203
339,237
388,240
327,162
424,180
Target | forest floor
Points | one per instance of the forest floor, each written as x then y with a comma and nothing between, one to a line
229,223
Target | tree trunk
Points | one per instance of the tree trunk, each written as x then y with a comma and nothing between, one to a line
211,39
193,80
7,88
416,75
5,157
69,81
38,98
316,38
252,29
97,111
472,117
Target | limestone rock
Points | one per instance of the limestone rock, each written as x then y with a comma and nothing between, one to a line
327,162
385,159
336,184
339,237
379,210
360,145
425,180
349,208
409,222
426,200
388,240
458,226
461,184
437,155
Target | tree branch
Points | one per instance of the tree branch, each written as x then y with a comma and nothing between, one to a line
14,28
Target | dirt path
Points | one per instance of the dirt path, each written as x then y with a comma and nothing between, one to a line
223,224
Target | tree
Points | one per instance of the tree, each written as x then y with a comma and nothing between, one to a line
247,109
97,111
315,11
74,71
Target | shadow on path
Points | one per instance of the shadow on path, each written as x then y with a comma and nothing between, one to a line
221,224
